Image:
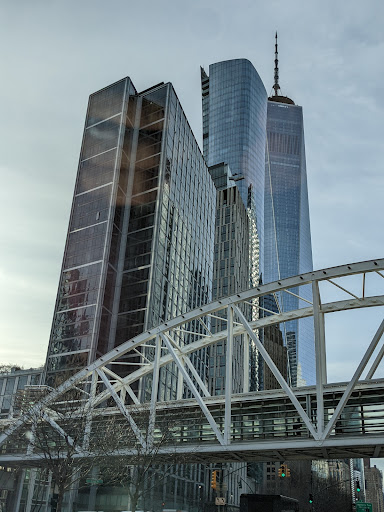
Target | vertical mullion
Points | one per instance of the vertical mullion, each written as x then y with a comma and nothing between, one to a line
228,377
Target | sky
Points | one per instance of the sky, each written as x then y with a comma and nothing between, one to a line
54,53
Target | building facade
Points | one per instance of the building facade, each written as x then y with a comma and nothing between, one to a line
287,243
15,489
139,248
13,382
374,486
230,274
234,102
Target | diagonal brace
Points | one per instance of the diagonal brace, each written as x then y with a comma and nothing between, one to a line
280,379
348,392
62,432
196,375
123,409
127,387
375,364
193,388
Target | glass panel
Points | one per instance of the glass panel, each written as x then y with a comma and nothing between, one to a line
96,171
100,138
106,103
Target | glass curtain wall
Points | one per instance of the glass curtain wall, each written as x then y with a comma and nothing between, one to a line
287,243
83,308
234,120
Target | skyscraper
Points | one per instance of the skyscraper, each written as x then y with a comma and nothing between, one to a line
234,103
287,242
140,241
234,120
230,275
139,248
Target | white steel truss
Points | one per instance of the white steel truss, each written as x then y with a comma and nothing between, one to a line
176,342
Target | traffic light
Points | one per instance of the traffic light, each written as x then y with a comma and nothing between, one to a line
283,471
214,479
358,488
310,498
288,472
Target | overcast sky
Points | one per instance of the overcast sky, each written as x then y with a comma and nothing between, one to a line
55,53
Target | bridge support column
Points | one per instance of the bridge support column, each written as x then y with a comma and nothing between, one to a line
320,354
155,388
246,363
228,377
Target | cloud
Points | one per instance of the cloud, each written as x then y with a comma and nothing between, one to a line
54,54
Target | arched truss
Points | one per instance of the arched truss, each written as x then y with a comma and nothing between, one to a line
118,375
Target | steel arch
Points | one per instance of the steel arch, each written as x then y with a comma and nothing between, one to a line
177,339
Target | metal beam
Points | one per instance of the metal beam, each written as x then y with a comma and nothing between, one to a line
375,364
246,363
203,312
280,379
228,376
347,393
155,389
319,330
192,369
258,324
122,408
194,390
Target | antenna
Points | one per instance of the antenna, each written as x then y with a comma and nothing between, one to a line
276,85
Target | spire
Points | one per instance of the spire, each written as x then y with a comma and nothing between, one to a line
277,97
276,85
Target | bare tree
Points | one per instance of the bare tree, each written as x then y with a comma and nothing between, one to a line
334,495
8,367
81,446
144,453
58,439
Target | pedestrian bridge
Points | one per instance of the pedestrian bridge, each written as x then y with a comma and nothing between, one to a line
328,420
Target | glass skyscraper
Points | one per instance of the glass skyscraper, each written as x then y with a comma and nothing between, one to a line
139,248
234,120
263,143
287,242
230,275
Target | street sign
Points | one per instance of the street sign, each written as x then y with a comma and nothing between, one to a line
219,501
363,507
94,481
